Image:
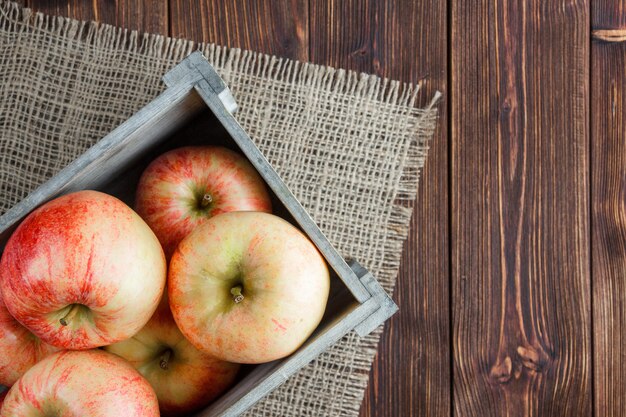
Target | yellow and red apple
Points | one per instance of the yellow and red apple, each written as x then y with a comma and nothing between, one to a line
247,287
184,187
19,348
90,383
184,378
82,271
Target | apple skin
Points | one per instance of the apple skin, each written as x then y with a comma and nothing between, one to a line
171,190
183,378
89,383
284,281
19,348
82,271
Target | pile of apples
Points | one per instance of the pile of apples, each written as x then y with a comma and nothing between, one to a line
107,311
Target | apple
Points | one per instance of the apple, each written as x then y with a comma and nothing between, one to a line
183,378
82,271
184,187
90,383
247,287
19,348
2,397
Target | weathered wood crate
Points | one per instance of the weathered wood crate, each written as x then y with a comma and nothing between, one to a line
197,101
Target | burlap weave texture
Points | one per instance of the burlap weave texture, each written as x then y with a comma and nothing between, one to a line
350,147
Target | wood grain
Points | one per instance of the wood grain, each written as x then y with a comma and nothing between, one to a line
387,38
143,15
520,214
608,15
608,176
277,28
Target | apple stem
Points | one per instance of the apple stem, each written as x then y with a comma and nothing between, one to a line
164,362
206,200
236,293
65,320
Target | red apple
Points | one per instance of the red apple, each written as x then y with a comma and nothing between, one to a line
82,271
90,383
184,187
19,348
183,378
247,287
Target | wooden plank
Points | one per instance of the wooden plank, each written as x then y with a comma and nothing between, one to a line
278,28
608,179
404,40
144,15
520,222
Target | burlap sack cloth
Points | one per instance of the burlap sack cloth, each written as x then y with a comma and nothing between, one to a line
350,147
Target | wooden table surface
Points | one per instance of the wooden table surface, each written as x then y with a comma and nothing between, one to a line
513,283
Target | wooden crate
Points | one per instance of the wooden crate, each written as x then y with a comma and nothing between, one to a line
197,101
